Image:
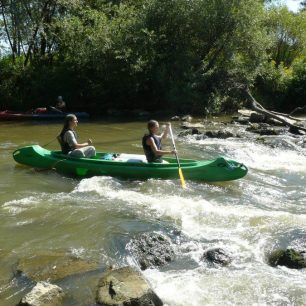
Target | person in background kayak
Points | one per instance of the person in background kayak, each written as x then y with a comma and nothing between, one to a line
60,104
69,143
59,107
151,142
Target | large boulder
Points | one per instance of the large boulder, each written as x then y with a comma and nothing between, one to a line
53,266
43,294
125,287
151,250
293,259
217,256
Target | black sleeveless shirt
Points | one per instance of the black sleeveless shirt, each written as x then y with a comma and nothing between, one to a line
65,145
150,155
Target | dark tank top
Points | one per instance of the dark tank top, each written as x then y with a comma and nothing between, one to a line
150,155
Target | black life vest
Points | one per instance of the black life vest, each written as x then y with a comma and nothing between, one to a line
65,145
150,155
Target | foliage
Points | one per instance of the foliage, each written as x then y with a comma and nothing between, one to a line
283,82
180,55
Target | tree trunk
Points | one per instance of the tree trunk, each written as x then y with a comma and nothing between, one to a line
32,42
258,108
298,109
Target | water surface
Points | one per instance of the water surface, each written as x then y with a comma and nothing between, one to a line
45,212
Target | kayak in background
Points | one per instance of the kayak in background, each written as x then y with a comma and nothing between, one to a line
129,166
39,115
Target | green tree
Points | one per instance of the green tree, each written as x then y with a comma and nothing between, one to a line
288,33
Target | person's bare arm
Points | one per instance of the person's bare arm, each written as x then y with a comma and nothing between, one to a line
82,145
150,142
164,134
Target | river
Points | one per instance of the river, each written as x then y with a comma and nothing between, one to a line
45,212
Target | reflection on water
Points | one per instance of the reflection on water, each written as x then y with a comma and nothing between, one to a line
95,218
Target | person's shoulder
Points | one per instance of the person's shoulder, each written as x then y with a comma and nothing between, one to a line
69,133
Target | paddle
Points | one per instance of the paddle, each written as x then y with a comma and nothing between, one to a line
177,159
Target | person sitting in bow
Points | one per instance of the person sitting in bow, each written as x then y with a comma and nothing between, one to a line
68,140
151,142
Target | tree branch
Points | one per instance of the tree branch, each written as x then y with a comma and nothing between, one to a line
258,108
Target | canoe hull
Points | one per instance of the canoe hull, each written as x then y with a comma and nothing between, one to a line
219,169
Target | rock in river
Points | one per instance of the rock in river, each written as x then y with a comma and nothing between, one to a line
125,286
43,294
219,134
217,256
151,250
293,259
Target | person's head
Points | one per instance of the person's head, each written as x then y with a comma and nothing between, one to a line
71,121
59,98
153,126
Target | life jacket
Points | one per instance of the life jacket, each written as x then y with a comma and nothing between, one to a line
65,145
150,155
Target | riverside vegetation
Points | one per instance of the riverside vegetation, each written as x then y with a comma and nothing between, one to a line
185,56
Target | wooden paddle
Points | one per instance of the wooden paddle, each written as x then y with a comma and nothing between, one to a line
177,159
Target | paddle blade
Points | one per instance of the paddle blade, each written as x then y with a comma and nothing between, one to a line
182,178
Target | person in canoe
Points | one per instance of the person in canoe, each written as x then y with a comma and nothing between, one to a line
60,104
151,142
68,140
59,107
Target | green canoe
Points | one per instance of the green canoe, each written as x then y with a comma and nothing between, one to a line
129,165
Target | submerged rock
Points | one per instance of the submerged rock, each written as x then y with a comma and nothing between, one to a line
217,256
296,131
192,131
256,118
125,286
187,125
43,294
263,129
241,120
53,266
290,258
219,134
187,118
175,118
151,250
284,142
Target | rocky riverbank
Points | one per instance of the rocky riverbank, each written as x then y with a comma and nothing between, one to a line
250,125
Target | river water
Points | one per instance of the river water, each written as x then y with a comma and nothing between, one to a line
95,218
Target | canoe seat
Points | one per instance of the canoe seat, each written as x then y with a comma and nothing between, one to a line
134,158
131,158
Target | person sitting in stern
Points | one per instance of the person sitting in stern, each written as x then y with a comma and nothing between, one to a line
151,142
69,143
